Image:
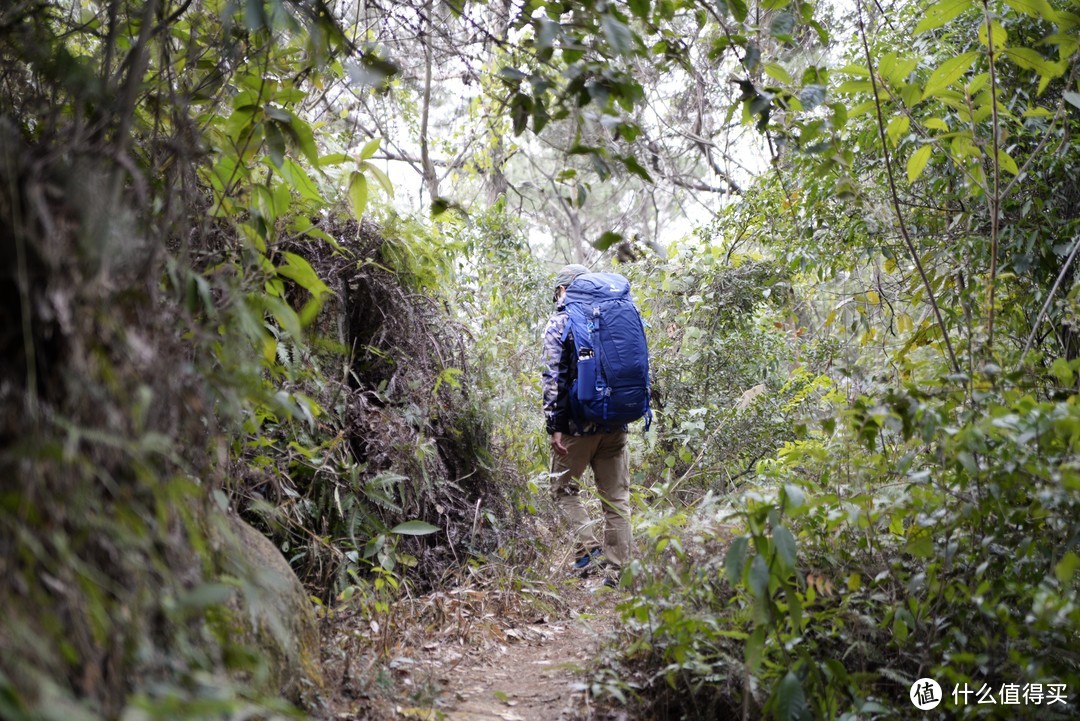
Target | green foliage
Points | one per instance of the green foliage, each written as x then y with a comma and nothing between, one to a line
729,365
502,296
837,590
206,371
920,516
173,192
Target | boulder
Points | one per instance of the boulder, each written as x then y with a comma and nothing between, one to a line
271,613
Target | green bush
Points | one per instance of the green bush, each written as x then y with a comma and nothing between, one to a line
919,533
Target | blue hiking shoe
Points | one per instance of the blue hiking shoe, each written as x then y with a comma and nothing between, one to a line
585,560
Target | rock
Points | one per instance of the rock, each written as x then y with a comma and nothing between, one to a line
272,613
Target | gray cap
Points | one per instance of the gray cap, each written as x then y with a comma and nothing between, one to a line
566,276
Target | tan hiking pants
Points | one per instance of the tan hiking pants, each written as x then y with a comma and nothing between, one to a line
609,458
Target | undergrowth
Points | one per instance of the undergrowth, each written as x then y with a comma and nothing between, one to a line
824,592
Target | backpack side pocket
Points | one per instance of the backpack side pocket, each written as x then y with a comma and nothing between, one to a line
586,375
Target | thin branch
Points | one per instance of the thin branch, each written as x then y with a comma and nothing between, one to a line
896,198
1049,298
1037,152
136,63
995,199
431,180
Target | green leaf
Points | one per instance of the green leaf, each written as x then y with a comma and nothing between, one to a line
600,166
784,542
940,13
358,194
759,577
949,72
778,73
302,135
1034,8
300,271
275,143
790,700
380,177
738,9
263,204
1066,567
617,34
735,560
997,34
277,113
1072,97
752,59
370,147
755,649
255,15
782,25
794,498
326,161
303,224
812,96
917,162
296,177
899,629
547,32
414,528
1006,163
897,127
964,147
1029,59
520,108
580,196
635,167
290,322
511,76
540,116
629,131
639,8
855,86
608,239
795,608
1062,371
920,545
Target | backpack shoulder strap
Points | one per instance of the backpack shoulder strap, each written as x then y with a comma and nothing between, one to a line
577,323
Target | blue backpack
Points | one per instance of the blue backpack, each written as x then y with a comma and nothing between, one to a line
612,385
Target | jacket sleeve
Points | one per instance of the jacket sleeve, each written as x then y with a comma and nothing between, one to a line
555,380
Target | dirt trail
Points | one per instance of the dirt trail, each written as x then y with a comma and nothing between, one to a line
537,674
497,661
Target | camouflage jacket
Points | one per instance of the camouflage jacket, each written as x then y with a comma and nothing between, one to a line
560,371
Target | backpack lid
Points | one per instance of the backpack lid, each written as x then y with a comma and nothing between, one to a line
592,287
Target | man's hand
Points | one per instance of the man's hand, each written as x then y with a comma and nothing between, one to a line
557,443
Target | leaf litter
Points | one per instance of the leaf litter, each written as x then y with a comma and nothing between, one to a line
499,646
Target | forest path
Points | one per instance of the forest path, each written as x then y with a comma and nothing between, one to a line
535,674
481,654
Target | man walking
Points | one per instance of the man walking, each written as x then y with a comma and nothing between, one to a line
577,445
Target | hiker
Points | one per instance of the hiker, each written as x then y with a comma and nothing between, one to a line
577,443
